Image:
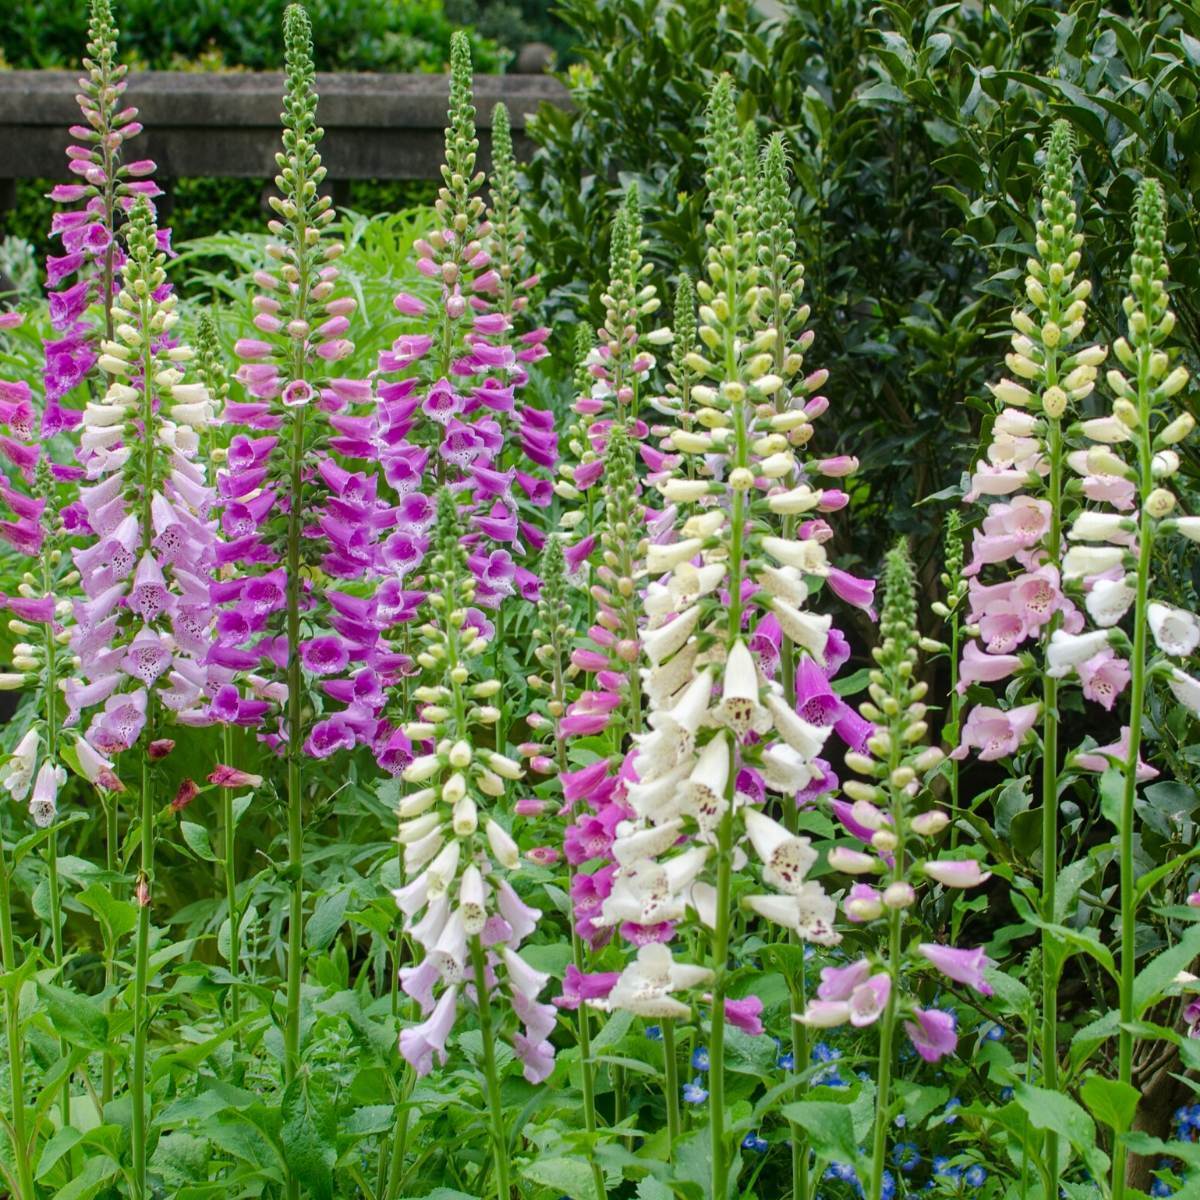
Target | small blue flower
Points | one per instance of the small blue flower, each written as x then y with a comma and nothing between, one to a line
1160,1187
950,1116
1006,1094
943,1170
991,1032
901,1121
654,1032
975,1176
906,1156
888,1190
753,1142
700,1059
823,1052
694,1092
809,951
843,1171
786,1062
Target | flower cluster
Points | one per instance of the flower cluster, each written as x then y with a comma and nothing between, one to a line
290,511
1022,480
459,904
1112,550
888,816
722,733
445,419
106,188
142,630
895,836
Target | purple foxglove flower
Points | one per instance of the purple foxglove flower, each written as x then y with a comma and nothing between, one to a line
963,966
932,1033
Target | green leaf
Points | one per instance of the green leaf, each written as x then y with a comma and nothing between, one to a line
96,1173
1111,1101
1112,795
550,957
569,1176
196,838
309,1136
1154,978
55,1148
1058,1113
118,917
79,1020
828,1127
328,915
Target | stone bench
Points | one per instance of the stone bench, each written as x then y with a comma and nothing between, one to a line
226,125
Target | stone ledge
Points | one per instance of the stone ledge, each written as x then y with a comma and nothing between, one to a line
227,124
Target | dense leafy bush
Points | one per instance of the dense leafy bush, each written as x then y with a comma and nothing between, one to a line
352,35
914,132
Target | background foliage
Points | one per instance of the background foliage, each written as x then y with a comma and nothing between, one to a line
915,133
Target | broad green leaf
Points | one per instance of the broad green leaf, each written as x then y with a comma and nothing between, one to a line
55,1148
1110,1101
77,1019
197,840
96,1173
828,1128
118,916
570,1176
1112,795
327,918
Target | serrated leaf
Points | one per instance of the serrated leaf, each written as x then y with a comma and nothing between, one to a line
309,1136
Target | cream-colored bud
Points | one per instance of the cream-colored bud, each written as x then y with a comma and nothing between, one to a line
1174,382
466,818
741,479
857,790
1160,502
460,755
1177,430
455,788
1054,402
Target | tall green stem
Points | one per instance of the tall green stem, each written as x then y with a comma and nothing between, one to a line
887,1036
229,848
12,1021
108,1064
671,1081
295,784
491,1075
1137,703
887,1029
52,883
141,1015
720,953
1054,497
